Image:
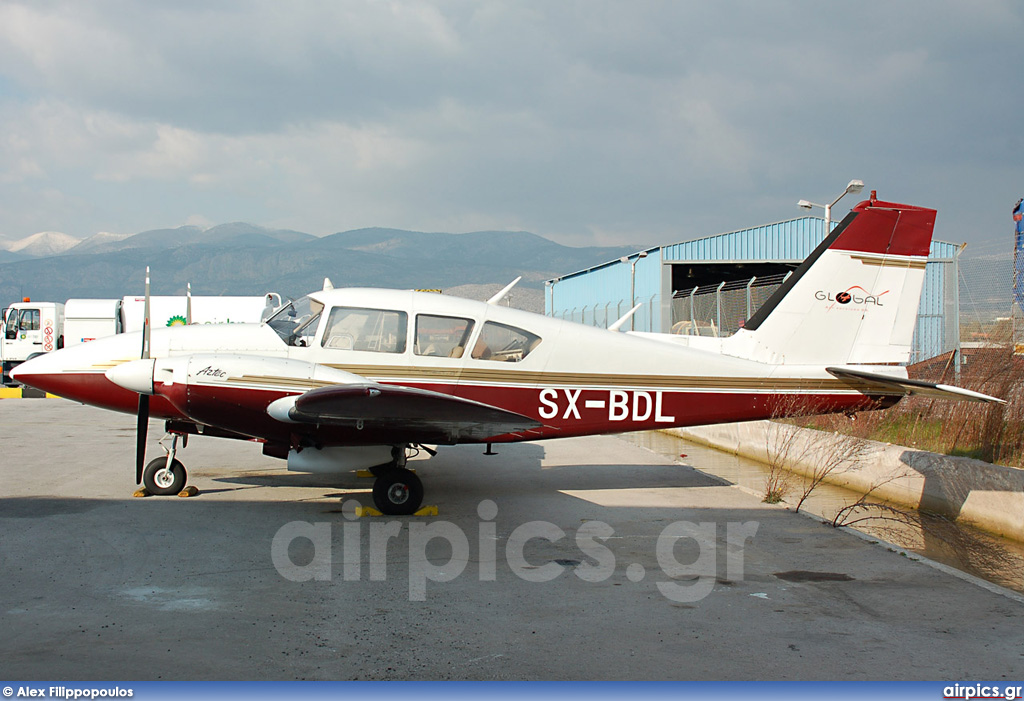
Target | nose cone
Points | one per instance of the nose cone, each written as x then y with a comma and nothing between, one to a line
35,372
14,374
136,376
77,372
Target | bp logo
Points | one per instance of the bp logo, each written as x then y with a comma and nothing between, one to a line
176,320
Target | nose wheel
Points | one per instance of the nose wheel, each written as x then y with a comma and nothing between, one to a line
165,476
397,492
164,479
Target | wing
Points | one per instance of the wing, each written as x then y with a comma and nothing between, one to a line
884,384
418,415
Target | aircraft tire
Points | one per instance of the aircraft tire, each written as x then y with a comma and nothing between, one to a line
378,470
158,480
397,492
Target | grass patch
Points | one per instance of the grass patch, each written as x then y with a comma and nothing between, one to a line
989,432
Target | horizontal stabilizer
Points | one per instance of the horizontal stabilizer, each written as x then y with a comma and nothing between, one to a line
886,384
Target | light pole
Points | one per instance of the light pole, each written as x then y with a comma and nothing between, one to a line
853,188
632,283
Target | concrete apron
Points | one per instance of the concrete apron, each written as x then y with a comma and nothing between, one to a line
989,497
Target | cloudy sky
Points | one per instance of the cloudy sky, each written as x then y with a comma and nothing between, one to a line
587,122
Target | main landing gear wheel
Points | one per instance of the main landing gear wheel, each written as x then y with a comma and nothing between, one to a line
397,492
159,480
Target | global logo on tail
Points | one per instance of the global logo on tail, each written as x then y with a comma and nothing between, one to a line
849,295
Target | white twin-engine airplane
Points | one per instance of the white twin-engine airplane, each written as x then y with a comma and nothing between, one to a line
360,378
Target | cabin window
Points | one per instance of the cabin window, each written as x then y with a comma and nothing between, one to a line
374,330
503,343
296,323
443,336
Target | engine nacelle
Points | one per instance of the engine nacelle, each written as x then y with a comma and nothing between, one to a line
230,391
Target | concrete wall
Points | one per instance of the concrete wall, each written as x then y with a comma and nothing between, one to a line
990,497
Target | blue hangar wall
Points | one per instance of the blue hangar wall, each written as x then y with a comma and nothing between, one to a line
599,295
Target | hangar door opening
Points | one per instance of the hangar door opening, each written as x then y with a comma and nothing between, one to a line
716,299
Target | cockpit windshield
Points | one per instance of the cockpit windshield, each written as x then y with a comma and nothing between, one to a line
296,322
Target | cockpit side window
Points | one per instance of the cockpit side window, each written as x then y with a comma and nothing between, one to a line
374,330
444,336
503,343
296,323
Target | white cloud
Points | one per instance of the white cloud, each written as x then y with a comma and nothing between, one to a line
584,121
20,169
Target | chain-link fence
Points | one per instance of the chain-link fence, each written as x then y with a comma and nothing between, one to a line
721,310
604,315
989,316
951,294
986,289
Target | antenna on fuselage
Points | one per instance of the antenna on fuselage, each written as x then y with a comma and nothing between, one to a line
328,285
504,291
188,304
624,318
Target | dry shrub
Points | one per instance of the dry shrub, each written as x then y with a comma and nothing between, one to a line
973,550
990,432
822,455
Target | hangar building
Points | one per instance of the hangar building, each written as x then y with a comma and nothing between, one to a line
711,285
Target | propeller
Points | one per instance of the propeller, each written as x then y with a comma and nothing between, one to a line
142,428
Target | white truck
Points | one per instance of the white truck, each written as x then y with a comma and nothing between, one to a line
31,328
89,319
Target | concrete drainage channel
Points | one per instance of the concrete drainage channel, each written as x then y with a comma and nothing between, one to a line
986,496
731,452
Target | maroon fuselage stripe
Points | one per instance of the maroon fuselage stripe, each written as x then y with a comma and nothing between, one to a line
588,412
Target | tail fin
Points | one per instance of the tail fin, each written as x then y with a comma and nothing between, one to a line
855,298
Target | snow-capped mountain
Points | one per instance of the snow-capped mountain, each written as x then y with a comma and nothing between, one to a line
45,243
96,240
